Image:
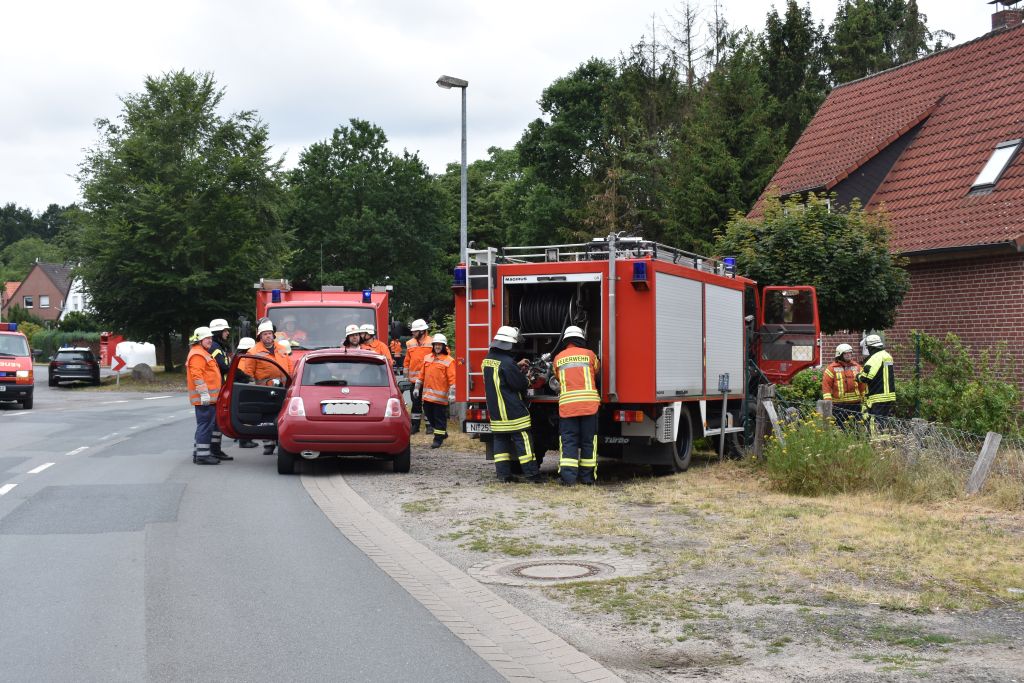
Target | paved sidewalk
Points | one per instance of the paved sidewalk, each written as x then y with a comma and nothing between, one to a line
518,647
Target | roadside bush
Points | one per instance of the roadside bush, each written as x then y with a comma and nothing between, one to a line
961,389
30,330
805,388
51,340
820,459
17,314
79,321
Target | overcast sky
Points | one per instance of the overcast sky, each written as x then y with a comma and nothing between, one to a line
308,65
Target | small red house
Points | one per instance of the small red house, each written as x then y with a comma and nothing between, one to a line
936,143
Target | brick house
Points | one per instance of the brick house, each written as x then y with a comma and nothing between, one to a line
6,293
935,144
43,292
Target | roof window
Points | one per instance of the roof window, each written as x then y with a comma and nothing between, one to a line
997,163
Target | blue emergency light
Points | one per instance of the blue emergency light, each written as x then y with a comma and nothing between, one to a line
11,327
640,275
275,296
460,276
367,295
730,264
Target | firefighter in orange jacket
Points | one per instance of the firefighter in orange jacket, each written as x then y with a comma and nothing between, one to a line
578,400
839,384
416,349
371,343
436,387
267,373
203,377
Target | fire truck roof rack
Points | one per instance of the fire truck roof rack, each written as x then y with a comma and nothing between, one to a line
597,250
268,284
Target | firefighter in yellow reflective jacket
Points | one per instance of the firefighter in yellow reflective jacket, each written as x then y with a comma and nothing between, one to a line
839,384
436,388
578,400
504,384
879,375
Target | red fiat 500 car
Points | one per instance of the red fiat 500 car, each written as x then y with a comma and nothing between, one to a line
336,403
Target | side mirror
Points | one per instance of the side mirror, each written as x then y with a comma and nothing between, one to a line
404,385
37,352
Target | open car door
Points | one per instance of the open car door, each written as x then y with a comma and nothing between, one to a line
249,409
788,332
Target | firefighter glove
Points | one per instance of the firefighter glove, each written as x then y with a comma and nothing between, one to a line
204,397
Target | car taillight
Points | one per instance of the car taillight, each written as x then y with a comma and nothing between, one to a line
394,408
628,416
295,407
477,414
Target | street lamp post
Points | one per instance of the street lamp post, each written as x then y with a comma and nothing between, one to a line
448,82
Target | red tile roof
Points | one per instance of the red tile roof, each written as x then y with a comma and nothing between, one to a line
9,289
970,97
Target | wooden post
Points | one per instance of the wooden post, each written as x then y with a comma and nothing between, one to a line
984,463
776,427
825,409
764,393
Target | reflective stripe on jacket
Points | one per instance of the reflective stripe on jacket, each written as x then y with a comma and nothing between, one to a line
577,369
415,352
504,384
220,354
263,373
438,378
202,374
880,377
839,383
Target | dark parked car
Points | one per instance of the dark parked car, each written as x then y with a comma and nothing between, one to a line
74,365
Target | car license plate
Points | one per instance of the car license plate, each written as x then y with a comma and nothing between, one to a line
344,407
73,367
478,427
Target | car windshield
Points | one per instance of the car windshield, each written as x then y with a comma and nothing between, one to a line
74,355
13,345
318,327
345,373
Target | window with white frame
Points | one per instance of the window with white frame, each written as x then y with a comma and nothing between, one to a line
993,170
26,302
44,301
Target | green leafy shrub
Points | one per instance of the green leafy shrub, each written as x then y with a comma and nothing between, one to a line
30,330
964,390
79,321
804,389
51,340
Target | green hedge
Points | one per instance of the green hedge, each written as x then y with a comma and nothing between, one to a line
48,341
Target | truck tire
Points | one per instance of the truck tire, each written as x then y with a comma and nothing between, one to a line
402,462
285,461
683,450
27,403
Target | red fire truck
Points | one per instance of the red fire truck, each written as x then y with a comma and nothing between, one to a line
683,340
311,320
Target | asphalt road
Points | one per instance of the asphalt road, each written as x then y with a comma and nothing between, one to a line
121,560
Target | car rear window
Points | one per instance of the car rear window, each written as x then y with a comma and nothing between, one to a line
345,373
74,355
13,345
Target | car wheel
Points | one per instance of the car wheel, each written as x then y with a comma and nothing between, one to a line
403,461
683,450
52,381
285,461
27,403
96,382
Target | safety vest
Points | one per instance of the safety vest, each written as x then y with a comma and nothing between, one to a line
880,377
438,378
263,373
202,374
577,368
415,352
377,346
839,383
504,384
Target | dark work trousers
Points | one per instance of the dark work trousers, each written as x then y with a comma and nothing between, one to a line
206,418
880,415
417,411
508,445
848,416
578,440
437,417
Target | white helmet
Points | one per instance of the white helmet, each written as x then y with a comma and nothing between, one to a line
265,326
419,325
218,325
573,332
368,329
439,339
843,348
201,333
246,343
351,329
505,338
873,340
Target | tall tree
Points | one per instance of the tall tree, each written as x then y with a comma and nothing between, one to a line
17,259
376,217
15,223
181,210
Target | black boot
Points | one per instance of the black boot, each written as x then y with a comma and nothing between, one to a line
504,472
221,455
430,430
269,449
246,443
532,472
415,427
438,440
205,460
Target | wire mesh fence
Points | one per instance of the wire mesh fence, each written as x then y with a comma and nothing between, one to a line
915,440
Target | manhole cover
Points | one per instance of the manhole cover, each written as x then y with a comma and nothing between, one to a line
556,571
551,570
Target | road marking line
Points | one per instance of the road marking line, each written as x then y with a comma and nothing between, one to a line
41,468
6,488
77,450
17,413
111,435
153,398
106,403
134,427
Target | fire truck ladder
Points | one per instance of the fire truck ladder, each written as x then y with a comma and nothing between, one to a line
479,266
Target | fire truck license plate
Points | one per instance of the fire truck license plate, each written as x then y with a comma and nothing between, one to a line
344,407
478,427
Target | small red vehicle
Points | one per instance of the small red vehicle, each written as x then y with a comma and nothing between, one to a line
336,403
